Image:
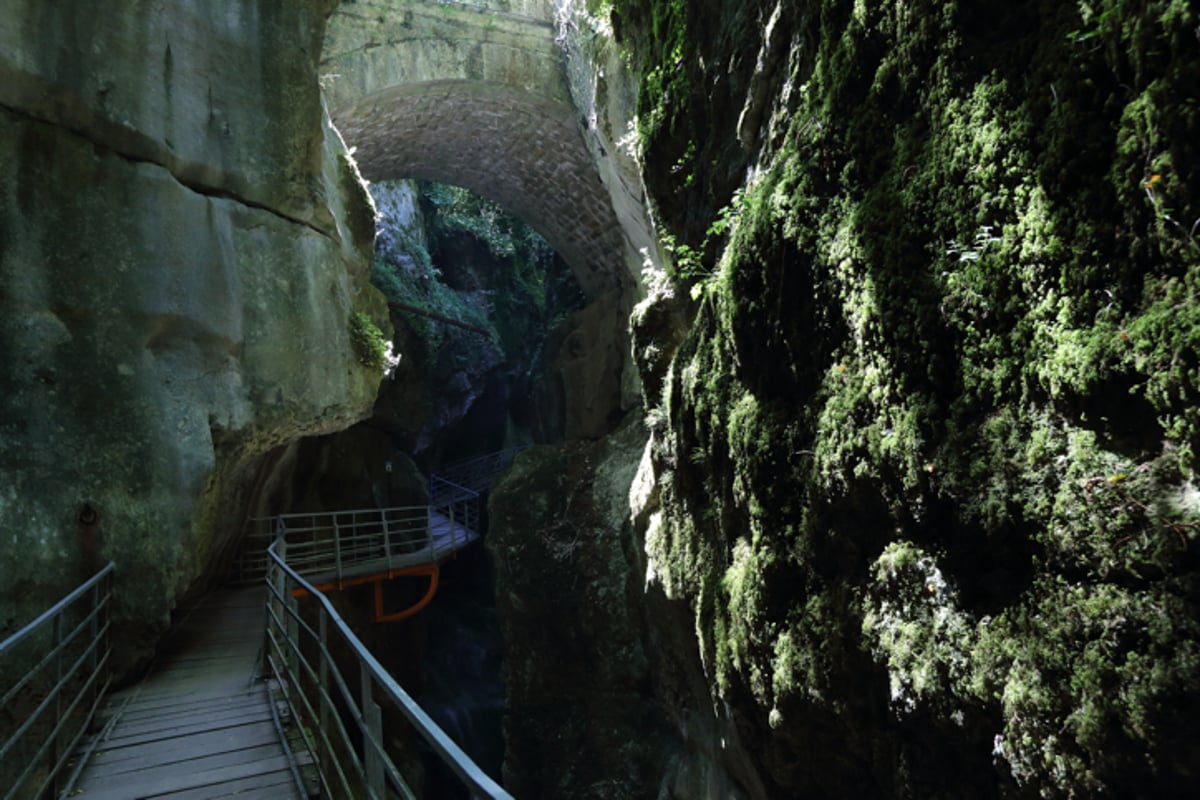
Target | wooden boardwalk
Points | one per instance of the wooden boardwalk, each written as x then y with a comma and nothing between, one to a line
199,725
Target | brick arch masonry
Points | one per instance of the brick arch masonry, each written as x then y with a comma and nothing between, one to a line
477,99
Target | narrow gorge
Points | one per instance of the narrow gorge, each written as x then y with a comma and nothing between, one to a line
845,357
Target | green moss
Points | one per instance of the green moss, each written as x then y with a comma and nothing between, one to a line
947,338
913,624
1089,679
368,341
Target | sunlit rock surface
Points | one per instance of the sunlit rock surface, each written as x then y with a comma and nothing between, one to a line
182,242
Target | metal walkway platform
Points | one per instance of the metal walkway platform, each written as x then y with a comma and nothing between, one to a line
203,724
445,539
200,724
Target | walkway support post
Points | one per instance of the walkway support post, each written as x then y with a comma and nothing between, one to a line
324,686
55,753
373,718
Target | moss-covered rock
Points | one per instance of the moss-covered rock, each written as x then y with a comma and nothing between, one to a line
447,254
580,720
926,457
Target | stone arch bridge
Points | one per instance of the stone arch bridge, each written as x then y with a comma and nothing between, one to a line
477,95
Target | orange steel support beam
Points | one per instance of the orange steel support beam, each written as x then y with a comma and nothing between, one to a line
432,570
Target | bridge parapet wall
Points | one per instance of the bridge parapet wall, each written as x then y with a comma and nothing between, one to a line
371,46
535,9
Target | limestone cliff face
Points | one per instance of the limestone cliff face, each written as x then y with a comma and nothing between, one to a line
182,242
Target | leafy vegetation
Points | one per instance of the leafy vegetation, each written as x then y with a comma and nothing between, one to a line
368,341
443,253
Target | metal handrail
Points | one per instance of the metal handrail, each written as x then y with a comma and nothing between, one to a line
479,473
328,544
41,756
454,492
457,503
444,494
350,763
336,545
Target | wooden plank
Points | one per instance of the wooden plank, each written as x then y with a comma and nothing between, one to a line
247,644
235,680
117,759
269,786
183,728
167,705
199,726
189,680
180,724
193,716
244,667
180,780
216,687
143,771
215,706
194,693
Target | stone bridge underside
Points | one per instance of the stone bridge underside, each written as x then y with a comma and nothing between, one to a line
480,99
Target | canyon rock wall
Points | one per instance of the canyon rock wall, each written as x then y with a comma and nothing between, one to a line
580,718
918,516
182,244
924,463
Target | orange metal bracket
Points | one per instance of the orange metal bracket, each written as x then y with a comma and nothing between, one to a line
432,570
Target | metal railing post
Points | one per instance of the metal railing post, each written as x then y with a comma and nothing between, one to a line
453,528
373,719
324,752
52,755
280,578
337,546
93,637
350,756
387,536
293,639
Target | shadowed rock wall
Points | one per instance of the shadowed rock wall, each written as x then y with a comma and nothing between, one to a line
918,517
924,463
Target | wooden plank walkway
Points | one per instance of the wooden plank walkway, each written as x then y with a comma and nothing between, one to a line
199,725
